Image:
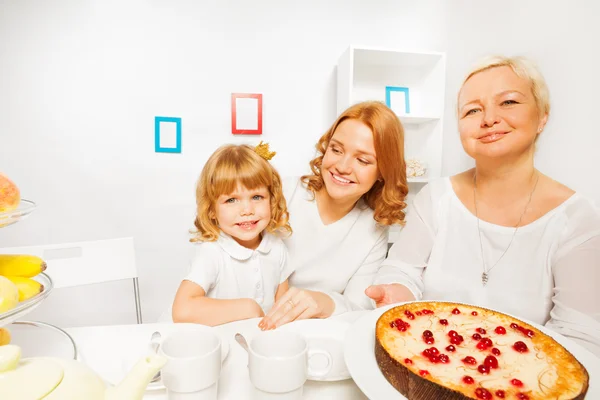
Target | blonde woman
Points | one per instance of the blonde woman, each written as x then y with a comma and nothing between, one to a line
502,235
240,264
341,213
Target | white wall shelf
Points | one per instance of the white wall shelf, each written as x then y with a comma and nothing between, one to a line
363,74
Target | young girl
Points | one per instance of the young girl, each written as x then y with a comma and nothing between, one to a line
240,264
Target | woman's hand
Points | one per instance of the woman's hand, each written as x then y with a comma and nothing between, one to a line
297,304
389,294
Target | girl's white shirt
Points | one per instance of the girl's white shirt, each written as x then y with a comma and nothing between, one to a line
227,270
549,275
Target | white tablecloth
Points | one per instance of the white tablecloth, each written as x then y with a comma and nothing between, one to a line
111,350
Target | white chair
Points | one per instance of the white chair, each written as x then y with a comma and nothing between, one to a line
80,265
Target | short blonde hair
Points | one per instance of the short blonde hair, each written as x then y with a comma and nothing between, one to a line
230,166
387,197
525,69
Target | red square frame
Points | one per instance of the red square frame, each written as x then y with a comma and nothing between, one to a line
234,128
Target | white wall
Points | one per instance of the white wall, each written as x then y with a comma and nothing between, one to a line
562,37
81,82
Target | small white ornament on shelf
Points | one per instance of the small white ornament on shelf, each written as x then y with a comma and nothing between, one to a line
415,168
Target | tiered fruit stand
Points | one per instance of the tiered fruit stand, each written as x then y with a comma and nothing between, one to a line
14,315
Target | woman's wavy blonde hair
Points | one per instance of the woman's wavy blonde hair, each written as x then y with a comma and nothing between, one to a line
387,196
227,168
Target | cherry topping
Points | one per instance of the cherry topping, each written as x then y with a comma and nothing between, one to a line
514,326
500,330
468,380
423,372
482,393
419,313
529,333
427,333
469,360
450,348
444,359
425,312
407,361
484,369
481,346
456,311
500,393
481,330
522,396
444,321
456,339
495,351
452,334
487,342
429,340
520,347
476,336
408,314
491,362
402,326
516,382
474,313
434,350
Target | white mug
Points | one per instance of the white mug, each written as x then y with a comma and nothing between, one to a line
278,362
193,364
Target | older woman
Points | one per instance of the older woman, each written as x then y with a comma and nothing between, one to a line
502,235
340,214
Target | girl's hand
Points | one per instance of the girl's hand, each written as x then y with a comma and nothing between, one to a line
297,304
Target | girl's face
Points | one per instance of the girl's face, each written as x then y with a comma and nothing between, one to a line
498,115
349,167
244,214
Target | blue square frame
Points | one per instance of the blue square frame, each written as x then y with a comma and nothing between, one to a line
390,89
157,148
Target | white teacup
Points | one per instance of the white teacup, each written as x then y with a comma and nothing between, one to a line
278,363
193,364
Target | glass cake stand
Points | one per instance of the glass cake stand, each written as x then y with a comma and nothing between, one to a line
25,208
11,318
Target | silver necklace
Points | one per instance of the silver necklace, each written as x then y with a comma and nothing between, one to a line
486,272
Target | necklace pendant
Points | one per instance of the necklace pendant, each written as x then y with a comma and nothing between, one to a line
484,278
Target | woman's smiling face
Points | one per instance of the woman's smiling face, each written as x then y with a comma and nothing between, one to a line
349,166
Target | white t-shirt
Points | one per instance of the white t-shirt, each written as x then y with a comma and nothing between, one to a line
339,259
549,275
227,270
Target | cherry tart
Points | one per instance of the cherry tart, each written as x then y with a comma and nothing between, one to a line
450,351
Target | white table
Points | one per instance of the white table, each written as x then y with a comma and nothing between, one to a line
110,350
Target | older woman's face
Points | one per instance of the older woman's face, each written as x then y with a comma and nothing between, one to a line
497,114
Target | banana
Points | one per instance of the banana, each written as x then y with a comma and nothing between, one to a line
4,337
27,287
9,295
21,265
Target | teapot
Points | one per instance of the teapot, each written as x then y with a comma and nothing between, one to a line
55,378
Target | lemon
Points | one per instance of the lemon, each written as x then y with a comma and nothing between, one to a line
9,294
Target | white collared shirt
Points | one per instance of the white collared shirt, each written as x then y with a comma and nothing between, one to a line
227,270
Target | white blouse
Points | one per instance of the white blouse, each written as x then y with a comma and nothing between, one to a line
549,275
227,270
339,259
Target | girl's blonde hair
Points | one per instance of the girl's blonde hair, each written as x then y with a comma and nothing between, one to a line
523,68
386,197
227,168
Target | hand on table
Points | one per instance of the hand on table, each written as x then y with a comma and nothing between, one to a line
389,294
297,304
